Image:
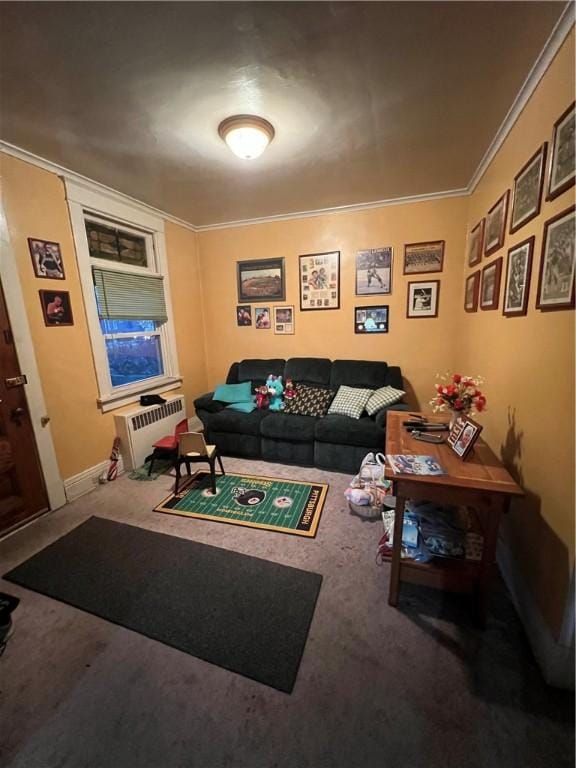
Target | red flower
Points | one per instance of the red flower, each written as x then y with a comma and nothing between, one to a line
439,388
479,406
456,378
458,404
481,400
477,393
450,389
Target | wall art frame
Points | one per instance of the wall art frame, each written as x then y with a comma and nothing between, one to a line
421,258
374,271
527,190
561,166
518,274
490,286
557,262
319,280
422,299
260,280
495,229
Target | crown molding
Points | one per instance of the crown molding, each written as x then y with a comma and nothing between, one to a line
89,184
547,54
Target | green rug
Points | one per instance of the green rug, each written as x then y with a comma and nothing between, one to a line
288,506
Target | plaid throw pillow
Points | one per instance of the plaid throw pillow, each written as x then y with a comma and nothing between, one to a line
350,401
309,401
383,397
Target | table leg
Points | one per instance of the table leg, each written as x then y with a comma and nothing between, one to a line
491,523
396,551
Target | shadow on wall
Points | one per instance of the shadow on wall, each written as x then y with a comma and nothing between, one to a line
511,450
410,396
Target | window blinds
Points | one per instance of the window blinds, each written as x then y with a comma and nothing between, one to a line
125,296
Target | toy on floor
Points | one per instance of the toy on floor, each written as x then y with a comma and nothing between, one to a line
262,397
289,390
275,390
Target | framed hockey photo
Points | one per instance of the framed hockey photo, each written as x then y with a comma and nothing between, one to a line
527,191
472,292
283,320
374,271
556,278
423,257
490,289
423,299
496,225
562,171
476,243
371,319
46,259
319,278
517,284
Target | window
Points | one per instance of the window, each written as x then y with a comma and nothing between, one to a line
124,281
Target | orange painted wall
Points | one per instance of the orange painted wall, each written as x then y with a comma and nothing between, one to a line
35,205
528,363
420,346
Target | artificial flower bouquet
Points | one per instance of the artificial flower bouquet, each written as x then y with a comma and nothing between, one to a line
460,394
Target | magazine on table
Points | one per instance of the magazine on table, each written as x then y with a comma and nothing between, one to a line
414,465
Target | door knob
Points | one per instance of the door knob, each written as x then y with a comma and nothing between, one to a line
17,414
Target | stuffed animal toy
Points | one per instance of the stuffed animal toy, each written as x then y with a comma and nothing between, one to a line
275,390
262,397
289,390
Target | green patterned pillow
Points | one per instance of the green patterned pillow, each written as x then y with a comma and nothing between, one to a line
383,397
309,401
350,401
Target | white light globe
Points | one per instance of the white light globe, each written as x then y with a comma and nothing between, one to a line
246,135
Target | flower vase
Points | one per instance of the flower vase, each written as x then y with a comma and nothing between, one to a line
453,416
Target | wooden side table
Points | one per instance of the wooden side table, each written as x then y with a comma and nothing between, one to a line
480,483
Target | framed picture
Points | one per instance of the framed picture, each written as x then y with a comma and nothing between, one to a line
371,319
476,243
262,318
56,308
490,290
320,281
244,315
46,259
261,280
284,320
463,436
561,172
374,271
423,257
556,278
423,299
472,292
517,285
527,194
496,225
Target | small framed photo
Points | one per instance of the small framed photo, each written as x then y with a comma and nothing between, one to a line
490,290
517,284
423,299
262,319
472,292
374,271
261,280
496,225
371,319
56,308
319,281
466,433
244,315
527,193
556,278
562,168
284,320
476,243
46,259
423,257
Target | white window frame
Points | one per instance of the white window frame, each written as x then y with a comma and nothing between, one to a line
109,209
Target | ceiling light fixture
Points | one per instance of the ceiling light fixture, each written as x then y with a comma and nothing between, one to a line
246,135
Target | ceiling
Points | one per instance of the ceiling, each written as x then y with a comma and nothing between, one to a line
370,101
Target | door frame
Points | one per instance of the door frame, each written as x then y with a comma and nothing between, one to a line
28,365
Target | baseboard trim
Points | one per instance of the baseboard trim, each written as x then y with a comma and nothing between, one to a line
84,482
555,659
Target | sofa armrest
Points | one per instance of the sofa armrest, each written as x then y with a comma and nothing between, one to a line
380,417
207,403
394,377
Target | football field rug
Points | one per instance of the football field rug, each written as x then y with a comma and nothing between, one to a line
287,506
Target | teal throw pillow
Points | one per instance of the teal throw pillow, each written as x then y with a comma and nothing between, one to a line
242,407
234,393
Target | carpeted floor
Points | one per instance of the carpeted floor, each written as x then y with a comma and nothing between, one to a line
377,687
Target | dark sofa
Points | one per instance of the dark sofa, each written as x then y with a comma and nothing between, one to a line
331,442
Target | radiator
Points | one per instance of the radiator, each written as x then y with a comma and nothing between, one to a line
140,427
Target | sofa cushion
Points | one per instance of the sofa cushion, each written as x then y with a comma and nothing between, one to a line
309,401
383,397
288,426
342,430
365,374
234,393
350,401
239,423
309,370
257,371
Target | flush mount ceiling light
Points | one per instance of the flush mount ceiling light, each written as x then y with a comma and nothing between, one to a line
246,135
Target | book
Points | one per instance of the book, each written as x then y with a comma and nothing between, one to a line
414,465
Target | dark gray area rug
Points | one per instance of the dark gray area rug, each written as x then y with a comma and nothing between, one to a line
242,613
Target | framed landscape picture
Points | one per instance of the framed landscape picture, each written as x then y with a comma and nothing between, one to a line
423,257
320,281
374,271
490,289
46,259
556,278
472,292
371,319
496,225
527,193
562,169
261,280
56,308
284,320
476,243
423,299
517,285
